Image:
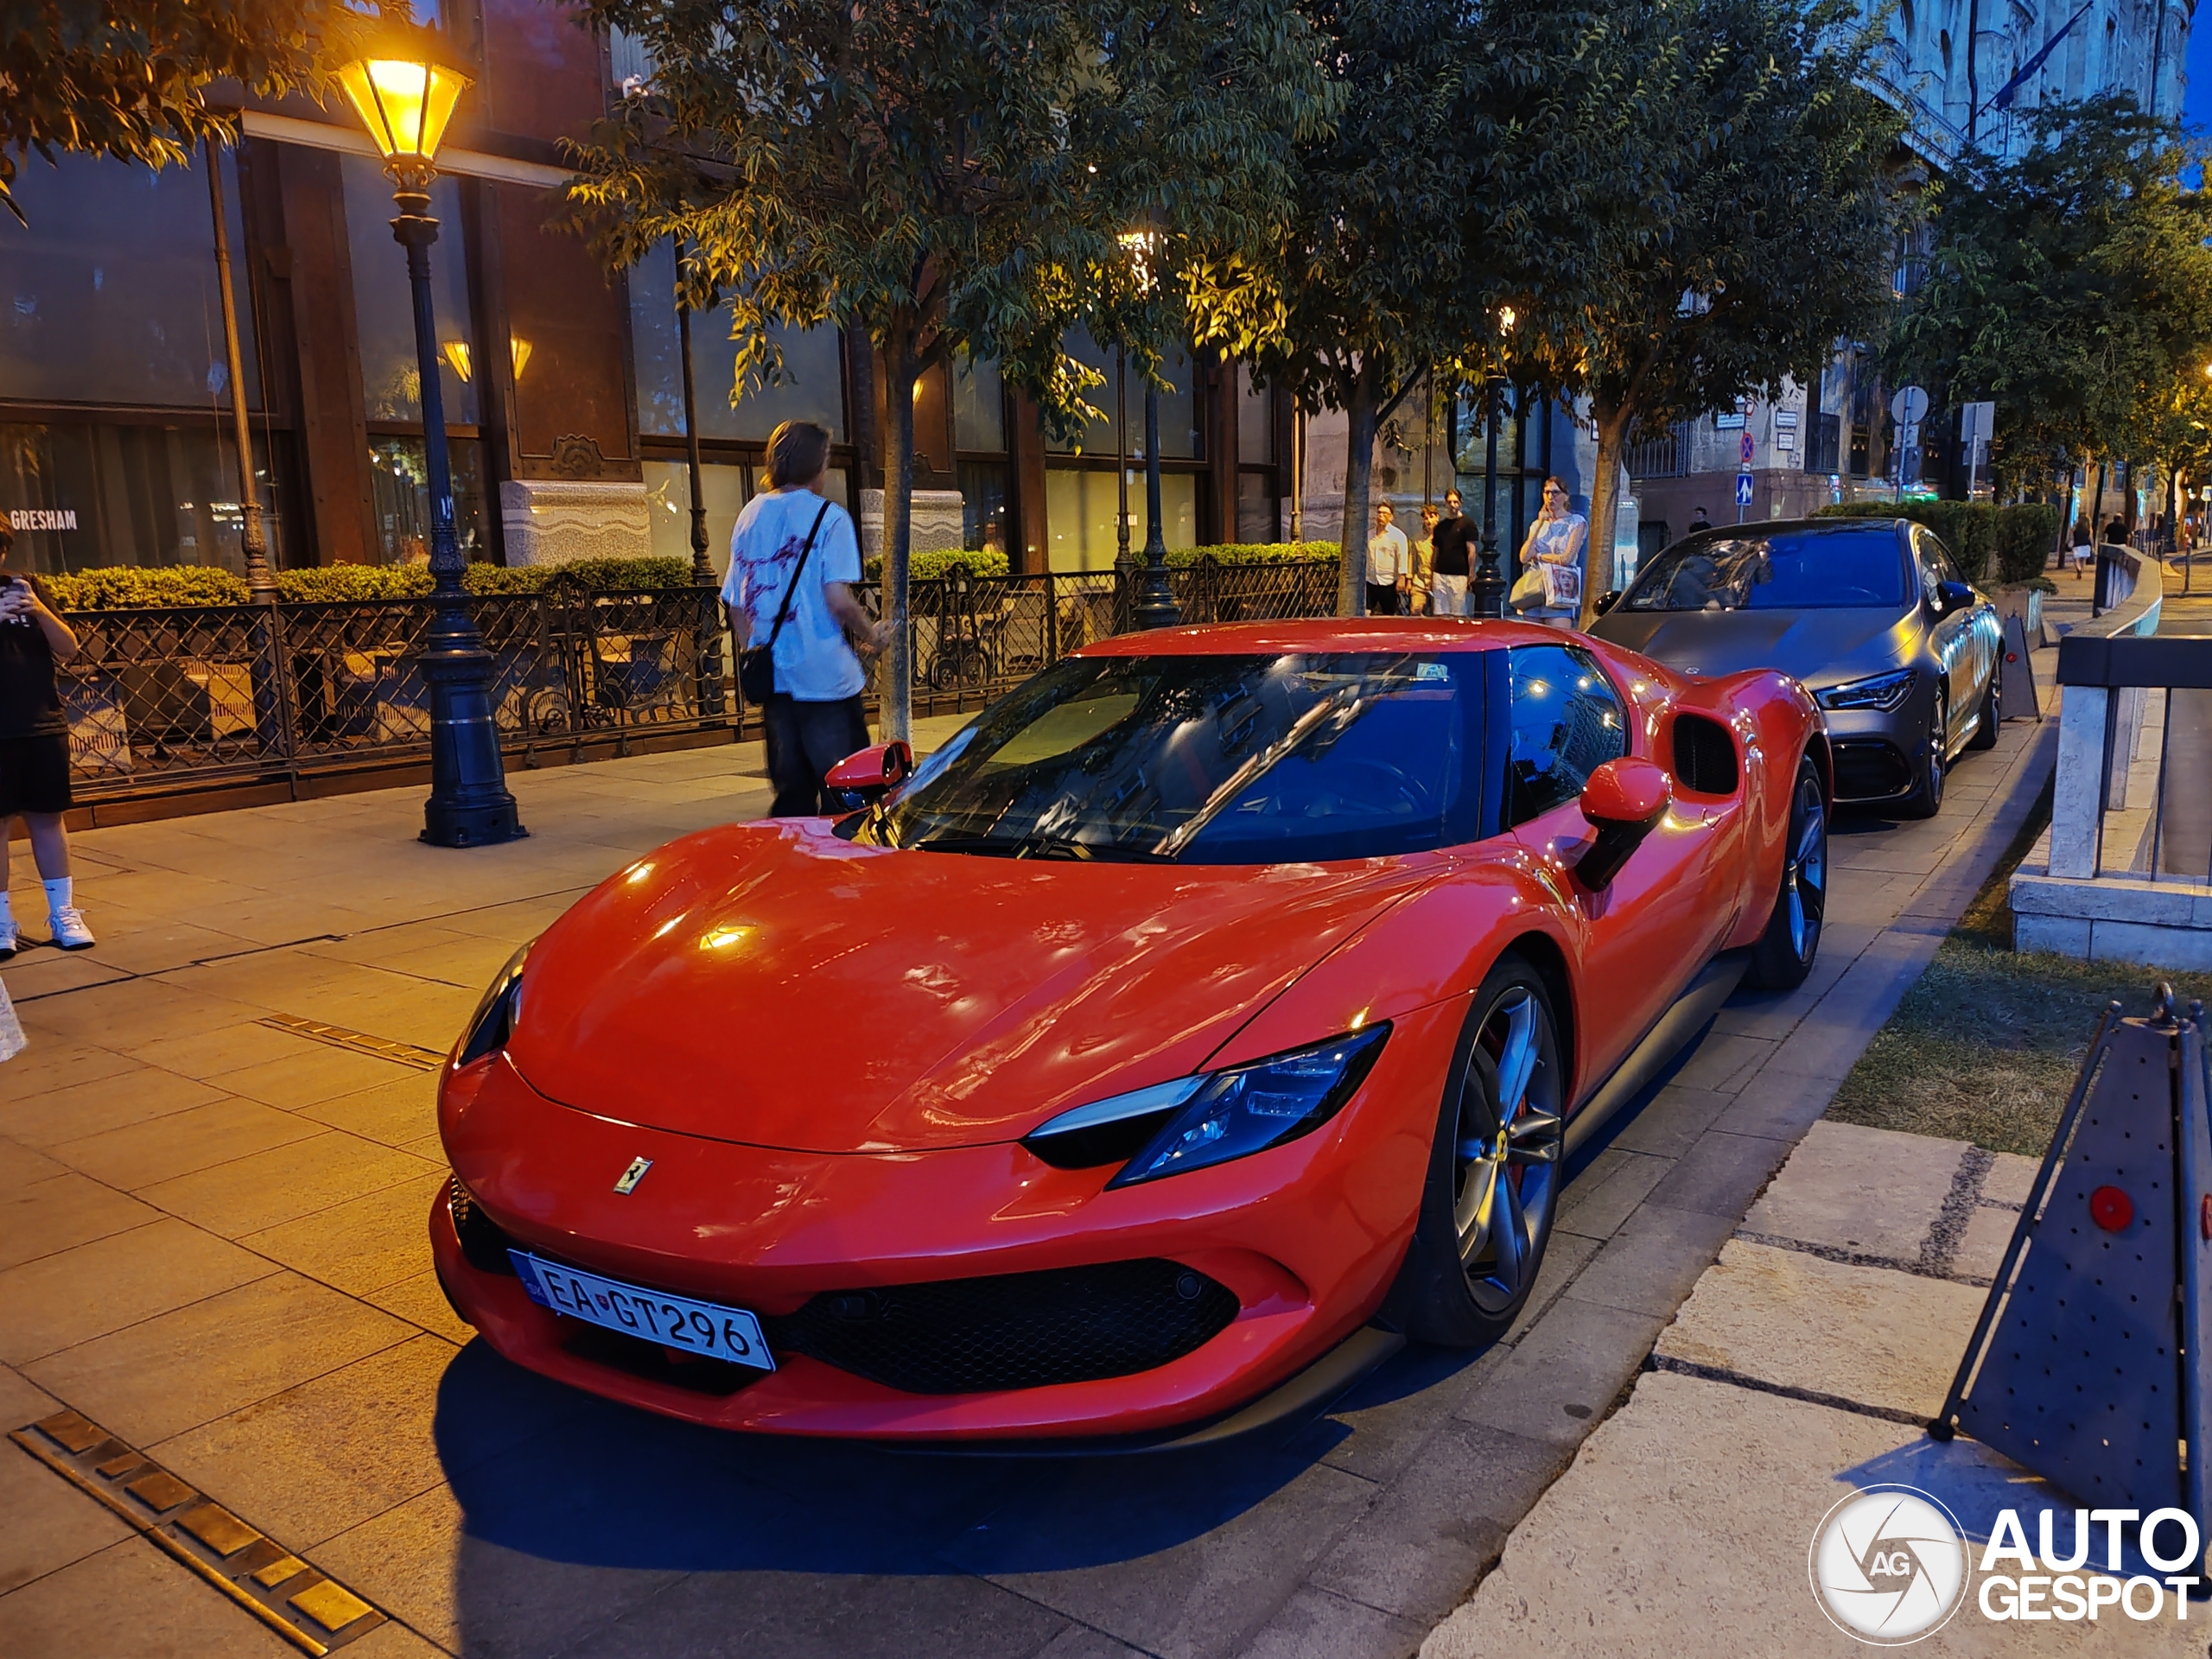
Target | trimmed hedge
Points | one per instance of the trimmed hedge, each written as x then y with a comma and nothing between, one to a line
2011,543
935,563
116,587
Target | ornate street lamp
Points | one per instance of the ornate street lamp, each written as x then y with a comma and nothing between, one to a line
1490,584
1155,605
405,101
709,666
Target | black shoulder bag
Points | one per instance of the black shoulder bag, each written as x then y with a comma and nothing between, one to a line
756,664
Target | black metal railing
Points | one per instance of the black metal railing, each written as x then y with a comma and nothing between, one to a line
186,697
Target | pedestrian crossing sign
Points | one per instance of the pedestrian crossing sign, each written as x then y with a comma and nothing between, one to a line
1743,489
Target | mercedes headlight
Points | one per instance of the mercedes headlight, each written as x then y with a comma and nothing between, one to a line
1884,692
1194,1122
497,1011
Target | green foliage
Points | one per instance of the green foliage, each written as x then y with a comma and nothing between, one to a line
114,587
2008,544
1751,228
123,78
2071,285
2025,535
928,564
945,180
123,587
1255,553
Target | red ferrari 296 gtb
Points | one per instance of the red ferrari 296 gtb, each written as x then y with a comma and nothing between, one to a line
1210,1015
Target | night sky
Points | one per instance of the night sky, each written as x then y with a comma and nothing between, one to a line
2196,108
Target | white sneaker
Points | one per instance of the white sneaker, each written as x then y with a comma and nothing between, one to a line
69,930
11,940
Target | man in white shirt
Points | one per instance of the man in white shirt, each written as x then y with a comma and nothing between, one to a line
814,719
1387,555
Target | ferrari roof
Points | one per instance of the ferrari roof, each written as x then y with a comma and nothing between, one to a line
1325,633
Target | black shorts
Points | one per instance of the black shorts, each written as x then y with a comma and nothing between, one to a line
34,774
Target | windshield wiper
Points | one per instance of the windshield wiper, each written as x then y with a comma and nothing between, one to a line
1040,845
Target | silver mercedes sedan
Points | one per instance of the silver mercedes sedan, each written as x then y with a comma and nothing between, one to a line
1870,613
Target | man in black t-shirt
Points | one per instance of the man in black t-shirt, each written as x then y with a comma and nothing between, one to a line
1453,542
34,749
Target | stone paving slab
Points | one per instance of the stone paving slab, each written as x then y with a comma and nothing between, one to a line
569,1529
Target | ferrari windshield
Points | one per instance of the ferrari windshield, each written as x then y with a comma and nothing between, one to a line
1244,760
1792,570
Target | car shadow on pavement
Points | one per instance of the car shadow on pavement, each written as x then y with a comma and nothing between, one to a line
611,1486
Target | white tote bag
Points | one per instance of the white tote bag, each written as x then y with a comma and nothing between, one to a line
11,1029
1562,586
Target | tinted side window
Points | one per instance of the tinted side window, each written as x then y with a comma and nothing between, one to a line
1568,721
1936,565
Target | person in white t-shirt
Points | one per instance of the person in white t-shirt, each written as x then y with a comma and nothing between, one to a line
1387,555
815,719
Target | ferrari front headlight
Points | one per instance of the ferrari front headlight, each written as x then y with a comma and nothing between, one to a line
497,1011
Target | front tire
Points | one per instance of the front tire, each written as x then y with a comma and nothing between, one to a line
1494,1172
1786,952
1986,723
1927,798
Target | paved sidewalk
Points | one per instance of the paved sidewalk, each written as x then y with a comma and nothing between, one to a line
215,1249
1807,1363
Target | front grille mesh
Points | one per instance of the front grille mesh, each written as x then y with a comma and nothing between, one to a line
1869,769
1013,1330
483,1246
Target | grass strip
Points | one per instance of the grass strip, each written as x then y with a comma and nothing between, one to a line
1987,1043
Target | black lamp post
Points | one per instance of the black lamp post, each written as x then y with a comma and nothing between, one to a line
1155,605
708,667
405,102
1489,595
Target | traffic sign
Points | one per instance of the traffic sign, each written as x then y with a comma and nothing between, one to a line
1747,446
1908,406
1743,489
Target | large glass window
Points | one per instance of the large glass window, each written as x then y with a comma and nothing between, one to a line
812,388
1568,721
111,289
1255,420
723,491
109,493
400,496
383,304
1080,505
1180,408
982,506
1208,759
978,407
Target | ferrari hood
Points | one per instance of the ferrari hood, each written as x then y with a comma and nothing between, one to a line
771,984
1808,644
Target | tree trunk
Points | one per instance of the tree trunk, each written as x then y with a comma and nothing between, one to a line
2097,518
1605,506
898,680
1359,470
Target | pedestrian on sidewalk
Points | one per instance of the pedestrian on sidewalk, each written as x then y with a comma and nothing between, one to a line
1452,539
1422,562
1555,542
794,558
1698,521
1387,555
34,750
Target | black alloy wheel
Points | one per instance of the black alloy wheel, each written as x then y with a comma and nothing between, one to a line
1927,798
1492,1189
1986,723
1786,952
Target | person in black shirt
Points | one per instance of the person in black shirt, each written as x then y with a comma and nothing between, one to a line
34,749
1698,521
1447,571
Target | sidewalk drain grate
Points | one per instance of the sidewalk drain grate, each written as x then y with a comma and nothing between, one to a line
382,1048
289,1595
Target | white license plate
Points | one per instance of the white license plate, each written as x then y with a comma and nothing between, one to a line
703,1328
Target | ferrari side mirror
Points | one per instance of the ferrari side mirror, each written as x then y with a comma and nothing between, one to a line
1623,801
1606,601
864,778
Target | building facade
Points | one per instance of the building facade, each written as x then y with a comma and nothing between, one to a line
561,383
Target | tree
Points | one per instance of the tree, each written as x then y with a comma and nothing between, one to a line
2069,284
1762,230
944,179
124,78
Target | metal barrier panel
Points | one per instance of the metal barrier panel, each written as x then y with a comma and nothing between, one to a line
157,697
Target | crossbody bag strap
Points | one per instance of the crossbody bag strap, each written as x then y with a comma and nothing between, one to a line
790,590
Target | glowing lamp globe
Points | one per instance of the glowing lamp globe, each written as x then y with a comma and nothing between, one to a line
405,104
